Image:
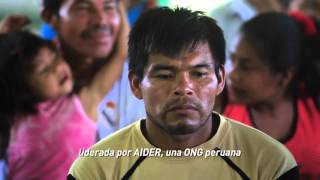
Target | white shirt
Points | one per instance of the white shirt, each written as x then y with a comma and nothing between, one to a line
119,107
230,17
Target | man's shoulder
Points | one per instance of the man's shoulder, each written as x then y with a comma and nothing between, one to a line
102,157
116,139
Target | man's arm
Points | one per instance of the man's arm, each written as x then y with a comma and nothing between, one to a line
102,82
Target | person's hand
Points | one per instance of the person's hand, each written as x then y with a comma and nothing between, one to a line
13,22
121,46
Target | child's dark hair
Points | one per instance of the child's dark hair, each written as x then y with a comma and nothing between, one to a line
17,50
169,32
283,43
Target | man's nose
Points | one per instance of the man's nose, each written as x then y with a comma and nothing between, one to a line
184,85
99,15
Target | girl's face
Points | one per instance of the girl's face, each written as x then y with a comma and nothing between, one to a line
51,76
251,81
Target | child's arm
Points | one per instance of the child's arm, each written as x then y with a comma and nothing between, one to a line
92,94
13,22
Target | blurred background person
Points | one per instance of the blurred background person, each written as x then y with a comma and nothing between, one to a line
86,34
87,68
234,13
48,121
308,7
274,84
41,122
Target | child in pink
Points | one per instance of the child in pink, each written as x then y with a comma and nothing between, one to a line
44,124
46,144
47,124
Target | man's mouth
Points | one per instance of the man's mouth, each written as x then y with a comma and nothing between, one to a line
183,108
97,33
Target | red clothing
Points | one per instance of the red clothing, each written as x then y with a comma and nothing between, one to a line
305,142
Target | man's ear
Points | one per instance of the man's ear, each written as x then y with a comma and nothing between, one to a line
221,80
50,17
135,85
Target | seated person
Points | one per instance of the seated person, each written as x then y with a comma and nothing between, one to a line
274,84
176,67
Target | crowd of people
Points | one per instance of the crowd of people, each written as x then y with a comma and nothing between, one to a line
163,84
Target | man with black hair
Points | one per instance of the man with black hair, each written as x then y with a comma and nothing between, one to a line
176,67
87,32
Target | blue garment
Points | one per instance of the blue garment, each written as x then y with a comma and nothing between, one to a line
3,169
135,12
47,32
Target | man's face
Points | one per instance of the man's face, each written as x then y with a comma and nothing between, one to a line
179,94
88,27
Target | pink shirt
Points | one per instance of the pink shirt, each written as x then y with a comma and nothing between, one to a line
43,146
